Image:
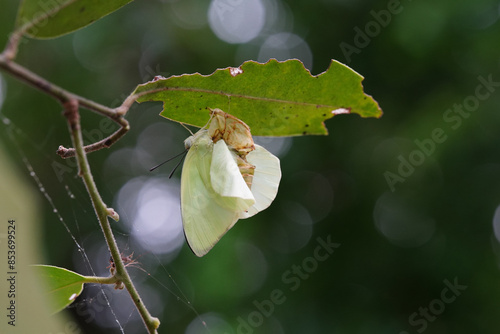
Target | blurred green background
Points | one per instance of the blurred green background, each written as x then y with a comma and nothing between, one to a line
410,200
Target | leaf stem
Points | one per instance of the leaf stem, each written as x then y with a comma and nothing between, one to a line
102,211
100,280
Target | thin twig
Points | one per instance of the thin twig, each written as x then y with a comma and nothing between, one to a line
102,212
23,74
64,152
62,95
31,27
10,51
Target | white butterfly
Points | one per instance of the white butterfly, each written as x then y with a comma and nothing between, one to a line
225,177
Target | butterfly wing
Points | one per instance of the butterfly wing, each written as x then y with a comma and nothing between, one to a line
205,220
266,179
227,180
214,194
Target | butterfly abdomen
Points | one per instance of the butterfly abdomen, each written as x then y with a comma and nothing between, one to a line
246,169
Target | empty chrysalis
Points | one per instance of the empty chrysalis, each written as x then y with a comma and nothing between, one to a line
225,177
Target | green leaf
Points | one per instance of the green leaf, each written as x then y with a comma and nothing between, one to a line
63,285
274,99
48,19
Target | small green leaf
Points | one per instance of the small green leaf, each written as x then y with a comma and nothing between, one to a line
274,99
48,19
63,285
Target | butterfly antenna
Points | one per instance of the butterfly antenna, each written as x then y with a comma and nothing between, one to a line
203,127
164,162
185,127
177,166
212,113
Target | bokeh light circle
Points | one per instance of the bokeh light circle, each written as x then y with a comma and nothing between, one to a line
284,46
236,21
152,210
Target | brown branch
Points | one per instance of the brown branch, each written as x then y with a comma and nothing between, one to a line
63,96
34,80
64,152
10,51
